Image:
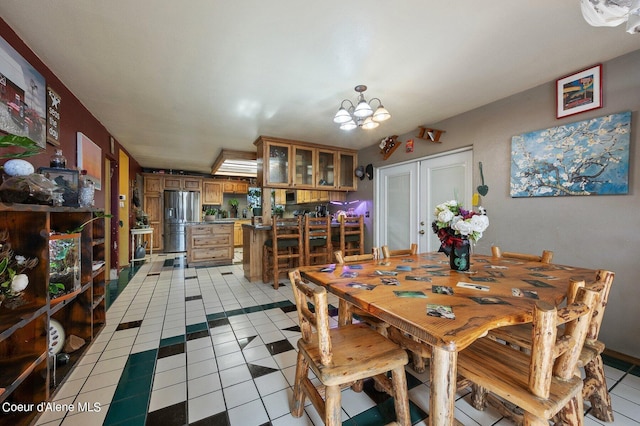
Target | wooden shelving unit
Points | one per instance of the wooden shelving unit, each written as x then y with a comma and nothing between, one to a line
26,369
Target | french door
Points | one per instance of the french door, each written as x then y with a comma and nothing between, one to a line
406,195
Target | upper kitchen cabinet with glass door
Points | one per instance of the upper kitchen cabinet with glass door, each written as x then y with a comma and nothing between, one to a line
326,170
274,159
304,167
347,165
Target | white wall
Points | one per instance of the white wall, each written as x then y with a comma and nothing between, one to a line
599,232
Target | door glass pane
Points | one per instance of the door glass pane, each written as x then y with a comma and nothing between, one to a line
304,166
278,164
398,214
346,170
325,168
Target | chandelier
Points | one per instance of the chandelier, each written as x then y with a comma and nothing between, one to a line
360,115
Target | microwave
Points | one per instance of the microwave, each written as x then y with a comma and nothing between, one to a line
290,197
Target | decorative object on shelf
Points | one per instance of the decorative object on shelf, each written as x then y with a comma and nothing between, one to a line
141,251
361,115
430,134
31,189
13,279
18,167
456,228
369,171
56,337
604,13
579,92
388,145
64,264
482,189
233,203
589,157
86,191
58,161
28,146
67,182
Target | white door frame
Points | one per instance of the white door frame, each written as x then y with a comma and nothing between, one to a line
420,210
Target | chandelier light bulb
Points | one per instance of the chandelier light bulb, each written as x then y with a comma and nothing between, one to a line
361,114
369,124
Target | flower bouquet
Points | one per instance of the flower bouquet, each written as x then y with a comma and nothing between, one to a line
457,227
13,280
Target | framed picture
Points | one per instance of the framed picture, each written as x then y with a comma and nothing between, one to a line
66,179
24,92
589,157
579,92
90,159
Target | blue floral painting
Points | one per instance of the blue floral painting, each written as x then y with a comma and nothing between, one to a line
589,157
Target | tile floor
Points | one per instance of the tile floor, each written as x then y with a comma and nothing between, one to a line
203,346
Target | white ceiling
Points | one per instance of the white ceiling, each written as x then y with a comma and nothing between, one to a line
177,81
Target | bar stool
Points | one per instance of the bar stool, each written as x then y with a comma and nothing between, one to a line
351,237
284,250
317,240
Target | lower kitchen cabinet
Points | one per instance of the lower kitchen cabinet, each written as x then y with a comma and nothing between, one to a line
210,244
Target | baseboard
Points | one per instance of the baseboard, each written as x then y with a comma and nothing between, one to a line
622,357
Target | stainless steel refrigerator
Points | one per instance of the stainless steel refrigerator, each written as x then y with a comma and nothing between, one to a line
180,208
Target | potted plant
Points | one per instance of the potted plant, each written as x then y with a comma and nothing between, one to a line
233,203
210,214
278,211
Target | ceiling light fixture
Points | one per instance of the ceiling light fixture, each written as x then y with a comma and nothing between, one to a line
361,115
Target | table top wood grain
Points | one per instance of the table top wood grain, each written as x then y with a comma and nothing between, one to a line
511,288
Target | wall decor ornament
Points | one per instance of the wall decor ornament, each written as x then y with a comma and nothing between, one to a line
579,92
90,159
23,91
53,117
589,157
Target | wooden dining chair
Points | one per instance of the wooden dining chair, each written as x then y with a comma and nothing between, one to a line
546,257
542,383
594,384
400,252
284,250
350,239
317,240
346,311
341,357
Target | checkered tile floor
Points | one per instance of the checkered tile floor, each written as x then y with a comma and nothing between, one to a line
203,346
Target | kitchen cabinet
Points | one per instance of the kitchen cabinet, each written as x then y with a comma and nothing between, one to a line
346,168
290,164
211,192
234,187
28,374
237,231
153,209
182,183
326,169
153,183
304,167
210,244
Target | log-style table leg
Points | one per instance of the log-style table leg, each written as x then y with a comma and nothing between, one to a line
443,372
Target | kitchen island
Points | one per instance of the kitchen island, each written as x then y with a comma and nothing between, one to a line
210,243
253,238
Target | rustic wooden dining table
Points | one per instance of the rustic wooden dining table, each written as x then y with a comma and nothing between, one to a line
421,296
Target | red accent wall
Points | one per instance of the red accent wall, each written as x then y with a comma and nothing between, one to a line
74,117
